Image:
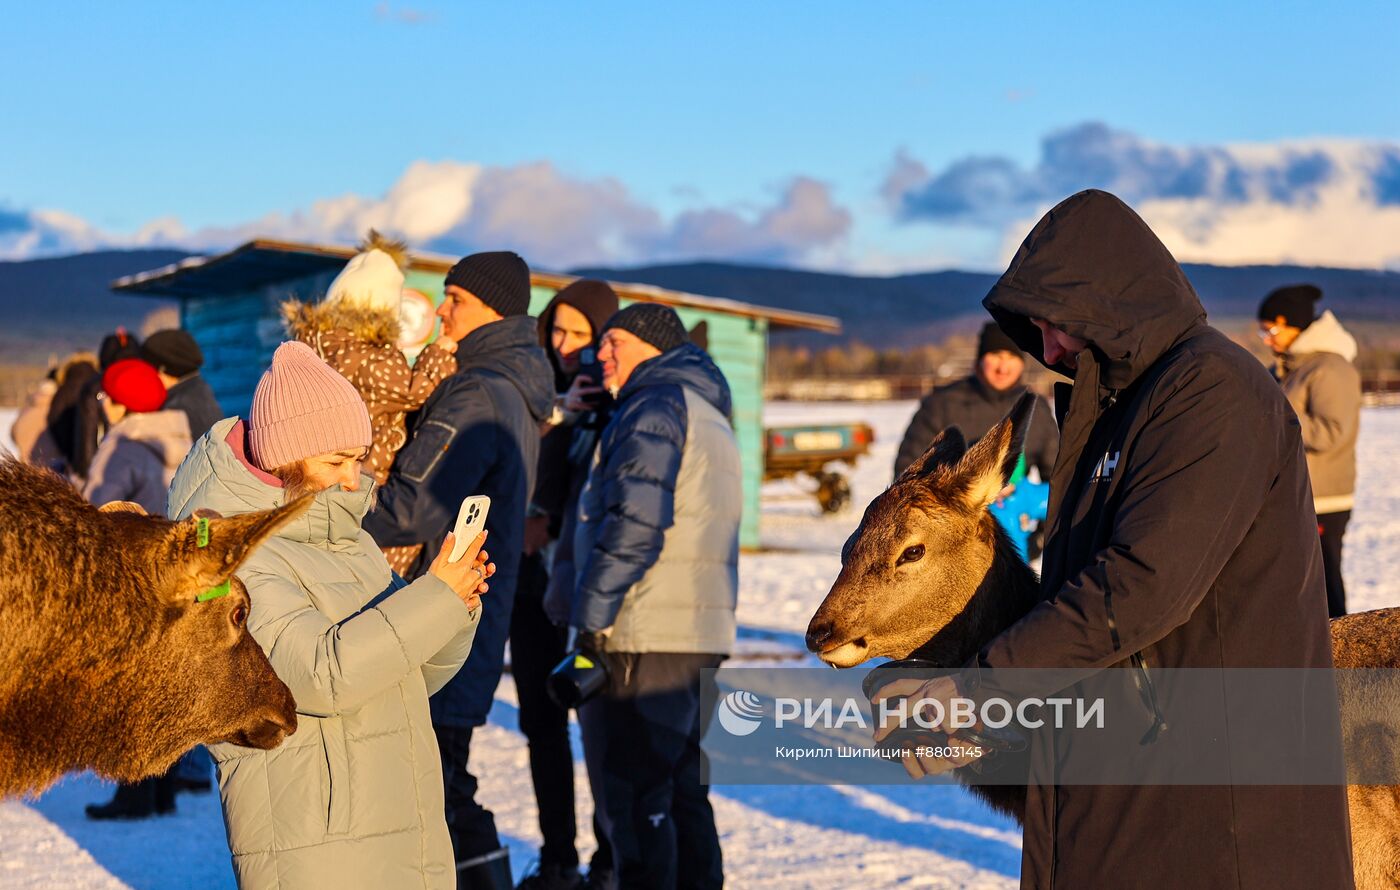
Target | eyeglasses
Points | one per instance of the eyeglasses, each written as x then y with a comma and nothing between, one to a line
1269,332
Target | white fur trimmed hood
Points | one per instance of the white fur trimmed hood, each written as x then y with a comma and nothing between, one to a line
1326,334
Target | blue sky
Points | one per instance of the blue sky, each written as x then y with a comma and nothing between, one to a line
696,120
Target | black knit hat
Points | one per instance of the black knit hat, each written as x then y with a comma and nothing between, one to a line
651,323
173,351
994,339
1297,303
500,279
116,347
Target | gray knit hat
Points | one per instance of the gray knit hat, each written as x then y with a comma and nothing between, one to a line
652,323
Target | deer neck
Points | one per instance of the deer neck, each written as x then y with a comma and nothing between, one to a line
1006,592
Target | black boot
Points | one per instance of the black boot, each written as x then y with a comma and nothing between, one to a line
489,871
600,877
131,801
551,876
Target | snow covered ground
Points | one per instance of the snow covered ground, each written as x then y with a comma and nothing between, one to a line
773,836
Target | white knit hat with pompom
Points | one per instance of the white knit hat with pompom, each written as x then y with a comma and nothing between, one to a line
373,279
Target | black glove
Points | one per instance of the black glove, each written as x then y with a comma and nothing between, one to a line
591,643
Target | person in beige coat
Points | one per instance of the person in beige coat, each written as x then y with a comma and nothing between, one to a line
1313,362
354,798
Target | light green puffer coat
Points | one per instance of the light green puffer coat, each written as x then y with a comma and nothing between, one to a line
354,798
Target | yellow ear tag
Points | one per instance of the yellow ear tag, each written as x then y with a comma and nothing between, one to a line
582,662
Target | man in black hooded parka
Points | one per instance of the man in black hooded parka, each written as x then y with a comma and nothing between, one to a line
1181,535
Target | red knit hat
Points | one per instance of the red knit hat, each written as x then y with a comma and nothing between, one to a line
134,385
303,407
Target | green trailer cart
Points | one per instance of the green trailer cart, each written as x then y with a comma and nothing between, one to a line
812,450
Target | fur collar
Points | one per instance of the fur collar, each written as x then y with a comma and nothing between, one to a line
377,327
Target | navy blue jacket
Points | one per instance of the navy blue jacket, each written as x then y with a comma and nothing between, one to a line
193,396
478,433
639,460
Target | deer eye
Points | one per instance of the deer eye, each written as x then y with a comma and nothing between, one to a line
240,616
911,554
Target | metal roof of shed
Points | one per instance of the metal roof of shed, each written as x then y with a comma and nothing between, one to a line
265,261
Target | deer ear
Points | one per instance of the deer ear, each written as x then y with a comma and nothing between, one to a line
944,451
988,466
122,507
207,551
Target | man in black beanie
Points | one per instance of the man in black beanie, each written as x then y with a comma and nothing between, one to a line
978,402
1313,362
657,553
178,358
477,434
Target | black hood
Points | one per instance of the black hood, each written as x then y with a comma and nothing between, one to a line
1093,269
595,299
510,347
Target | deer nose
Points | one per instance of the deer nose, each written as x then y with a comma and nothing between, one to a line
818,632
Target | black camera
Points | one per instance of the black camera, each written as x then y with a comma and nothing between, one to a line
590,367
577,679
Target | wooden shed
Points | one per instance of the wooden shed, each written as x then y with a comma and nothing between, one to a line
230,304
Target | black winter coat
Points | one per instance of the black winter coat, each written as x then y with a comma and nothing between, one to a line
193,396
974,407
1181,530
76,395
478,433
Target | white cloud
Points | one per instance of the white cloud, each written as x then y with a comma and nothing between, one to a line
554,220
1311,202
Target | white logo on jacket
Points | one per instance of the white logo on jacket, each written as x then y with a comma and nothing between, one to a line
1103,470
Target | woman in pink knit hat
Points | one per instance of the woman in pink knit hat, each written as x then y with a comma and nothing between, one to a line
354,798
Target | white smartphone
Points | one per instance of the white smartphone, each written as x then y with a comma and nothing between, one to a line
471,519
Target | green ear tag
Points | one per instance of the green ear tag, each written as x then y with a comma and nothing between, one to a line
213,593
201,539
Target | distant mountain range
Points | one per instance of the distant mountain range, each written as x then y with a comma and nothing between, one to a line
61,304
907,310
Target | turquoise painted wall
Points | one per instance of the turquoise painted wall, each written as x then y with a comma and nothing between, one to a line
239,332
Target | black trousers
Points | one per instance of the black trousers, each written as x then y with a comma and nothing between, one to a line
536,646
472,826
1332,527
642,743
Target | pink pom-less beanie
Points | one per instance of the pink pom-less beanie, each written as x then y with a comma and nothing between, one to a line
303,407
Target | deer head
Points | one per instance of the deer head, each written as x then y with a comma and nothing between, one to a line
215,684
120,646
911,571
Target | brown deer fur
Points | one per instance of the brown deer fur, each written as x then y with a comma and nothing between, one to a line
106,660
979,585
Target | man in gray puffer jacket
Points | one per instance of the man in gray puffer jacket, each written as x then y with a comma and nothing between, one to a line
657,550
1314,364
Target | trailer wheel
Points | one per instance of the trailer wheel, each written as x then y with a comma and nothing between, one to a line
833,492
